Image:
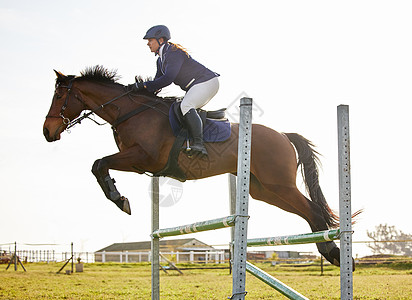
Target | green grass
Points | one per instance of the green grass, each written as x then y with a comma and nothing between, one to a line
132,281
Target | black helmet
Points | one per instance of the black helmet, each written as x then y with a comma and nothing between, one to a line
157,32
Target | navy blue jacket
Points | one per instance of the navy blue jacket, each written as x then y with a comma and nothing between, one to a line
180,68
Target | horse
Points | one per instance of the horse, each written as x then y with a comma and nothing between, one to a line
144,137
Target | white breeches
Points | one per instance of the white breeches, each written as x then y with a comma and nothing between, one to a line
199,95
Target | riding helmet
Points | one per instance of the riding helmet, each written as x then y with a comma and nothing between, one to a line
157,32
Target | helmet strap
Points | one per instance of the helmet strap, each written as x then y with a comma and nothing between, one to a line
160,45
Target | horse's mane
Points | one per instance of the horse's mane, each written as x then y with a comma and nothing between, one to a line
100,74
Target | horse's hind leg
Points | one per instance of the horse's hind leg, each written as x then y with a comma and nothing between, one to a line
329,250
291,200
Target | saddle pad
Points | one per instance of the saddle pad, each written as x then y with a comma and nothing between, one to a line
213,130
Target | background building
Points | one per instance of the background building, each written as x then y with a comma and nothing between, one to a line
182,250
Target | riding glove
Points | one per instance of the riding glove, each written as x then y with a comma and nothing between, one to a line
135,87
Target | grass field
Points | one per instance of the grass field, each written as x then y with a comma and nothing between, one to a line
132,281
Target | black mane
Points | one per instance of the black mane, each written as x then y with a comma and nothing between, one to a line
100,74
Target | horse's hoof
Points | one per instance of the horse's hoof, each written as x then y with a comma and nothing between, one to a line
123,204
126,205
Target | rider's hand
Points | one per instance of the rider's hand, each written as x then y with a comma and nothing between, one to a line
135,87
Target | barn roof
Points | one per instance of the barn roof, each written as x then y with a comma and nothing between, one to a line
181,244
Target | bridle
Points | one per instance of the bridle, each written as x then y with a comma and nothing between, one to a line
70,123
66,120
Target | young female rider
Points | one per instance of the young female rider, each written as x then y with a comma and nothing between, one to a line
175,65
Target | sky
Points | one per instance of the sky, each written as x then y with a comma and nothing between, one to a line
298,60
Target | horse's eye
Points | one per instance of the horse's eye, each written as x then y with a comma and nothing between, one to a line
57,96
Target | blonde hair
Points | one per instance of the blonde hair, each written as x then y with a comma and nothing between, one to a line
180,47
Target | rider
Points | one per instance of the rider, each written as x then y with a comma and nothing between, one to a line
175,65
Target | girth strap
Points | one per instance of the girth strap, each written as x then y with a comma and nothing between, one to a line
172,168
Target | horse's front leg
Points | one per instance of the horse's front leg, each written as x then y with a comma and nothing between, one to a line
101,171
123,161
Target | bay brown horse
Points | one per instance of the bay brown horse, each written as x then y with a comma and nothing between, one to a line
144,137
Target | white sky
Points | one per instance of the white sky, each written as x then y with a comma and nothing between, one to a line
298,60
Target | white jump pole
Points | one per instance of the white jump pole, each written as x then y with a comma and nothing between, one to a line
242,200
345,214
155,240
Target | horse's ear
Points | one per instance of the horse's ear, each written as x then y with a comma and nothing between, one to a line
60,76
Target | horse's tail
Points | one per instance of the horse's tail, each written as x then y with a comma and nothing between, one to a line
309,160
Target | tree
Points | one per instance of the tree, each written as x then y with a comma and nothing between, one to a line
385,238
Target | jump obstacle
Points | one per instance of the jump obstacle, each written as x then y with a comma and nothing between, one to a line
238,219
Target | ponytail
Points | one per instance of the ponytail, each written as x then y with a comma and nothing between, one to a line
175,47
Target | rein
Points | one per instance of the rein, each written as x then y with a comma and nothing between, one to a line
87,115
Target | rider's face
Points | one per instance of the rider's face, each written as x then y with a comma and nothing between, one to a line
153,44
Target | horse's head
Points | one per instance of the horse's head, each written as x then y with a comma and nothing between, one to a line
66,105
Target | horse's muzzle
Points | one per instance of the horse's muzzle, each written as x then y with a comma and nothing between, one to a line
48,137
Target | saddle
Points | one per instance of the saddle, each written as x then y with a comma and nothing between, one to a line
216,128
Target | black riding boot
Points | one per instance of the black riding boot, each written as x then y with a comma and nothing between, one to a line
195,126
